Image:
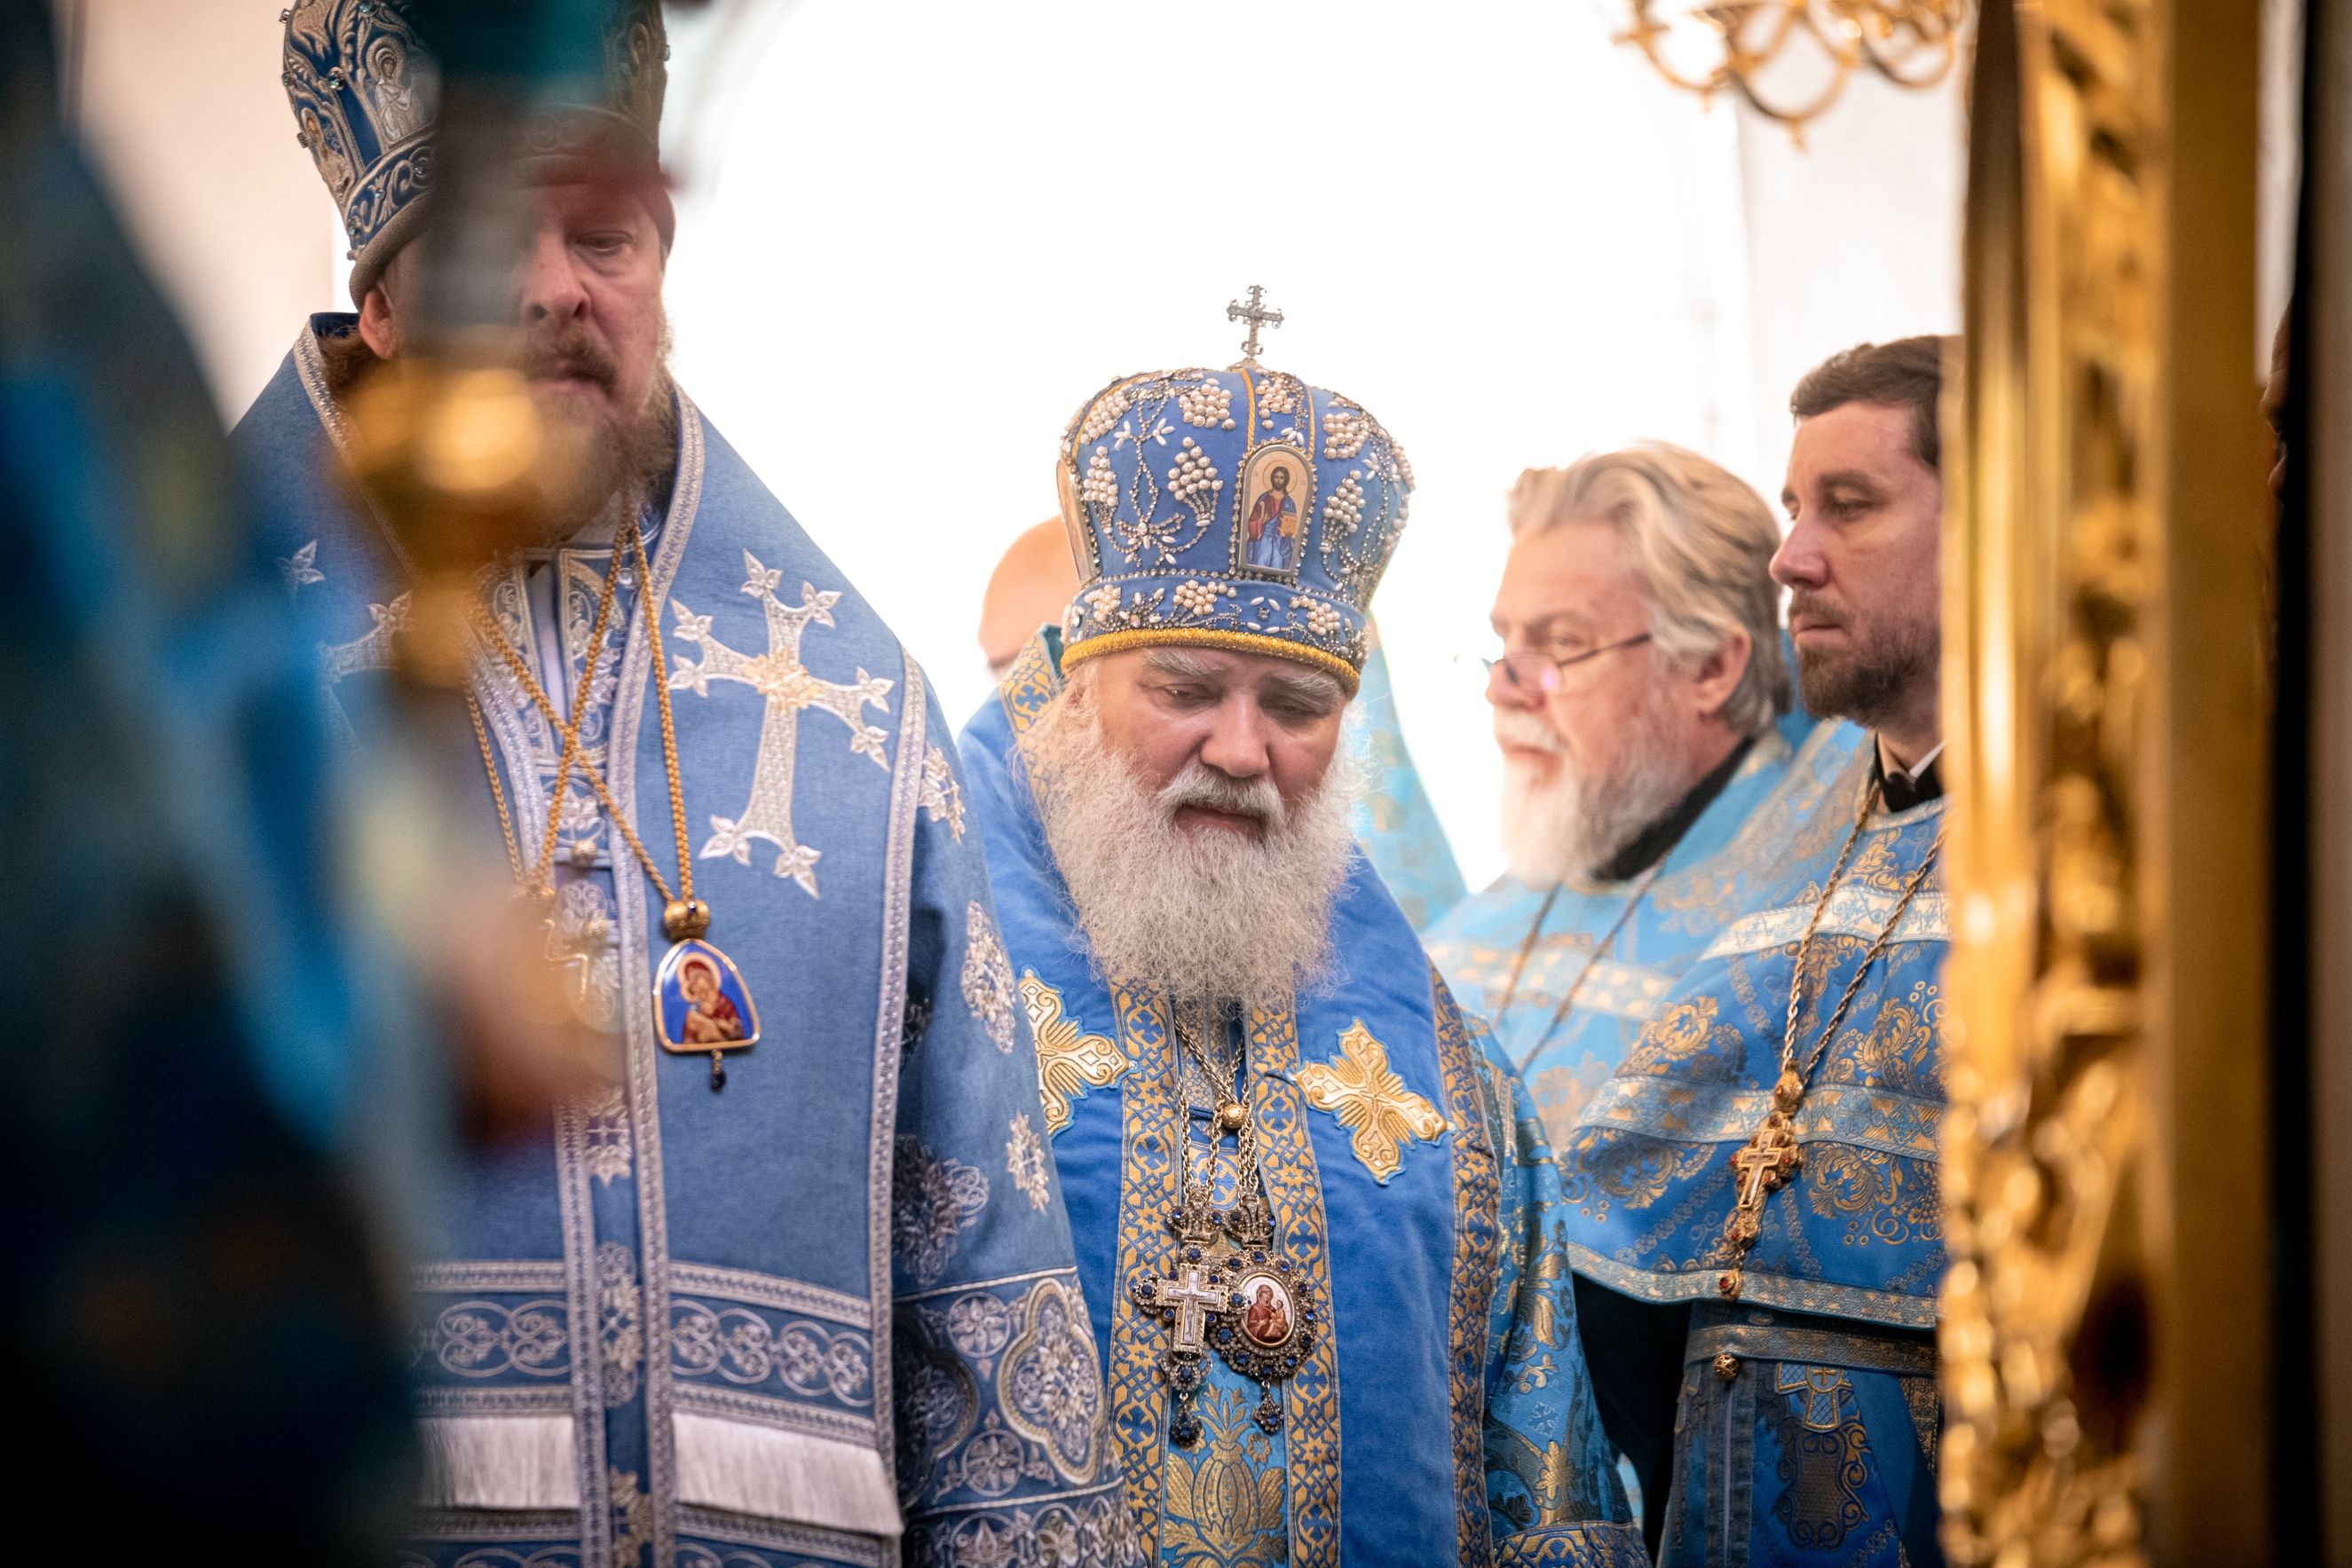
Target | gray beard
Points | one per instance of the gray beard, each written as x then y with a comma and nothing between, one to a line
1566,829
1199,914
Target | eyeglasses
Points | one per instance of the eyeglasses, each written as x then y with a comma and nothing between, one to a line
1532,672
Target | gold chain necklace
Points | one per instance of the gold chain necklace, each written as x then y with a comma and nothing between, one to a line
1576,987
700,1001
1770,1160
1228,1287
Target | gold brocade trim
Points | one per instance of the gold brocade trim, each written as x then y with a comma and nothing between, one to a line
1904,1358
1896,1308
1204,637
1029,685
1294,1189
1148,1182
1478,1263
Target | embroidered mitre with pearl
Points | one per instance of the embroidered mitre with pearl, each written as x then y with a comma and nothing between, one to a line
1239,509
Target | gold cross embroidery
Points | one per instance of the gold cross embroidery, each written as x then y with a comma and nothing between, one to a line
1371,1101
1068,1059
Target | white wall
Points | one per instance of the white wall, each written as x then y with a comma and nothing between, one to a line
937,227
1853,238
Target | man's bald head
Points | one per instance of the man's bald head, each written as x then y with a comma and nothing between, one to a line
1028,590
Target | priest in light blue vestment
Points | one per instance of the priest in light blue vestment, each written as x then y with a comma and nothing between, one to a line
798,1287
1759,1183
1642,708
1317,1219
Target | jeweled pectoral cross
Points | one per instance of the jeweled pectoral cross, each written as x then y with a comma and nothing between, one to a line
1256,315
1765,1164
1189,1299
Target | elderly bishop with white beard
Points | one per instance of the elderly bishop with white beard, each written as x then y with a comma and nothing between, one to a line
1315,1218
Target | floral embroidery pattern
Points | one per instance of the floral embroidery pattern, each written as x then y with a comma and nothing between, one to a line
1371,1101
1051,1385
941,797
1226,1506
743,1348
483,1339
583,937
632,1516
1068,1059
620,1325
1024,1161
301,568
933,1200
607,1149
987,977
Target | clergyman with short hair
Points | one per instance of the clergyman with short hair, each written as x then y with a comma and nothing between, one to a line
1760,1174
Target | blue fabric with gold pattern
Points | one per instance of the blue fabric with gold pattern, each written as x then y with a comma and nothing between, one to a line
1447,1408
1477,943
1239,508
783,1322
1804,1440
1395,822
1853,1242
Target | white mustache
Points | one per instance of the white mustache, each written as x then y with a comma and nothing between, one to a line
1516,728
1201,785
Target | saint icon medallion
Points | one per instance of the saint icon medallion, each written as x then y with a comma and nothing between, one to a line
702,1005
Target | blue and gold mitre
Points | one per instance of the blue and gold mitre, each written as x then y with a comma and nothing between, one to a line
364,88
1237,509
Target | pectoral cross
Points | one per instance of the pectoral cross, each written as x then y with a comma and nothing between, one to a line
1188,1295
1765,1164
1769,1159
1256,315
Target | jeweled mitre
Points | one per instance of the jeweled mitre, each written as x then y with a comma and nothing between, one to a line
364,88
1238,508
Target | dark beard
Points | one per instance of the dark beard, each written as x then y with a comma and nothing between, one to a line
1869,683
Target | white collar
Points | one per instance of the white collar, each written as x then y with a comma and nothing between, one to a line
1887,764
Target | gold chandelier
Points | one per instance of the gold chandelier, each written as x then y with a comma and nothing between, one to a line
1911,43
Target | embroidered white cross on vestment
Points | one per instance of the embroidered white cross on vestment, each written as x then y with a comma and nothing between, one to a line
778,675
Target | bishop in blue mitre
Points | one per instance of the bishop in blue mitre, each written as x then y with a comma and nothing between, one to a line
798,1287
1317,1223
1757,1183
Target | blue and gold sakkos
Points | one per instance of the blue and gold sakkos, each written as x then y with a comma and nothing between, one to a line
1442,1412
1240,508
1807,1434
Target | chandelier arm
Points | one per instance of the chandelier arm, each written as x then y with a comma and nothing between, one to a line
1643,36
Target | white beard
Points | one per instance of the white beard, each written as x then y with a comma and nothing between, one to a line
1205,913
1565,828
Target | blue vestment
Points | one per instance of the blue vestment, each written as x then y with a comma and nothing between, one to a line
1396,824
191,1325
772,1324
1808,1418
1446,1417
1477,944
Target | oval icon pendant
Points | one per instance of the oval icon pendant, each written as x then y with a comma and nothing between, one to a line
701,1005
